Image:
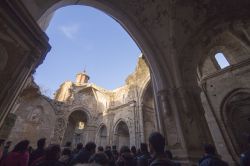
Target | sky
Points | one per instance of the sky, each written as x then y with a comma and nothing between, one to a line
222,61
84,38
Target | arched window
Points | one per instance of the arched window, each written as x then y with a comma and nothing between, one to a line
221,60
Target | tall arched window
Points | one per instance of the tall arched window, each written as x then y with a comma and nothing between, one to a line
221,60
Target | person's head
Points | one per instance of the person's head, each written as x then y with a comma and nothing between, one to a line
66,151
144,148
41,143
124,149
79,146
99,158
133,150
100,149
68,144
113,147
90,146
209,149
156,142
8,143
2,142
22,146
53,152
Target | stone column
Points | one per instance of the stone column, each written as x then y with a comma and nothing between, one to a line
185,129
215,130
90,132
172,129
110,129
23,46
158,112
142,137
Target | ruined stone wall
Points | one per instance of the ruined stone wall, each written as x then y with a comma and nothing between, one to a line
38,116
35,119
225,95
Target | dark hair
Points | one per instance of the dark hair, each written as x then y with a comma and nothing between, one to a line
41,143
209,149
8,143
100,148
248,139
2,141
90,146
66,151
79,146
53,152
157,141
68,144
124,149
144,148
113,147
99,158
133,149
22,146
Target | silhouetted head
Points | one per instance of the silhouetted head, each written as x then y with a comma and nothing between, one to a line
99,158
2,141
100,149
209,149
133,150
90,146
53,152
68,144
79,146
144,148
22,146
113,147
156,142
8,143
124,149
41,143
66,151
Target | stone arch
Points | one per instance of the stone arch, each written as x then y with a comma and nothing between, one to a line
102,135
139,35
83,109
236,118
145,84
160,70
148,112
73,133
121,134
206,43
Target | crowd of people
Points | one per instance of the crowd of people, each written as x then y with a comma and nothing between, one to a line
54,155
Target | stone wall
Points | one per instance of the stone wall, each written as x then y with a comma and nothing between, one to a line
35,119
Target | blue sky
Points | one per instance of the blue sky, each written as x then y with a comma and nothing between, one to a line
85,38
